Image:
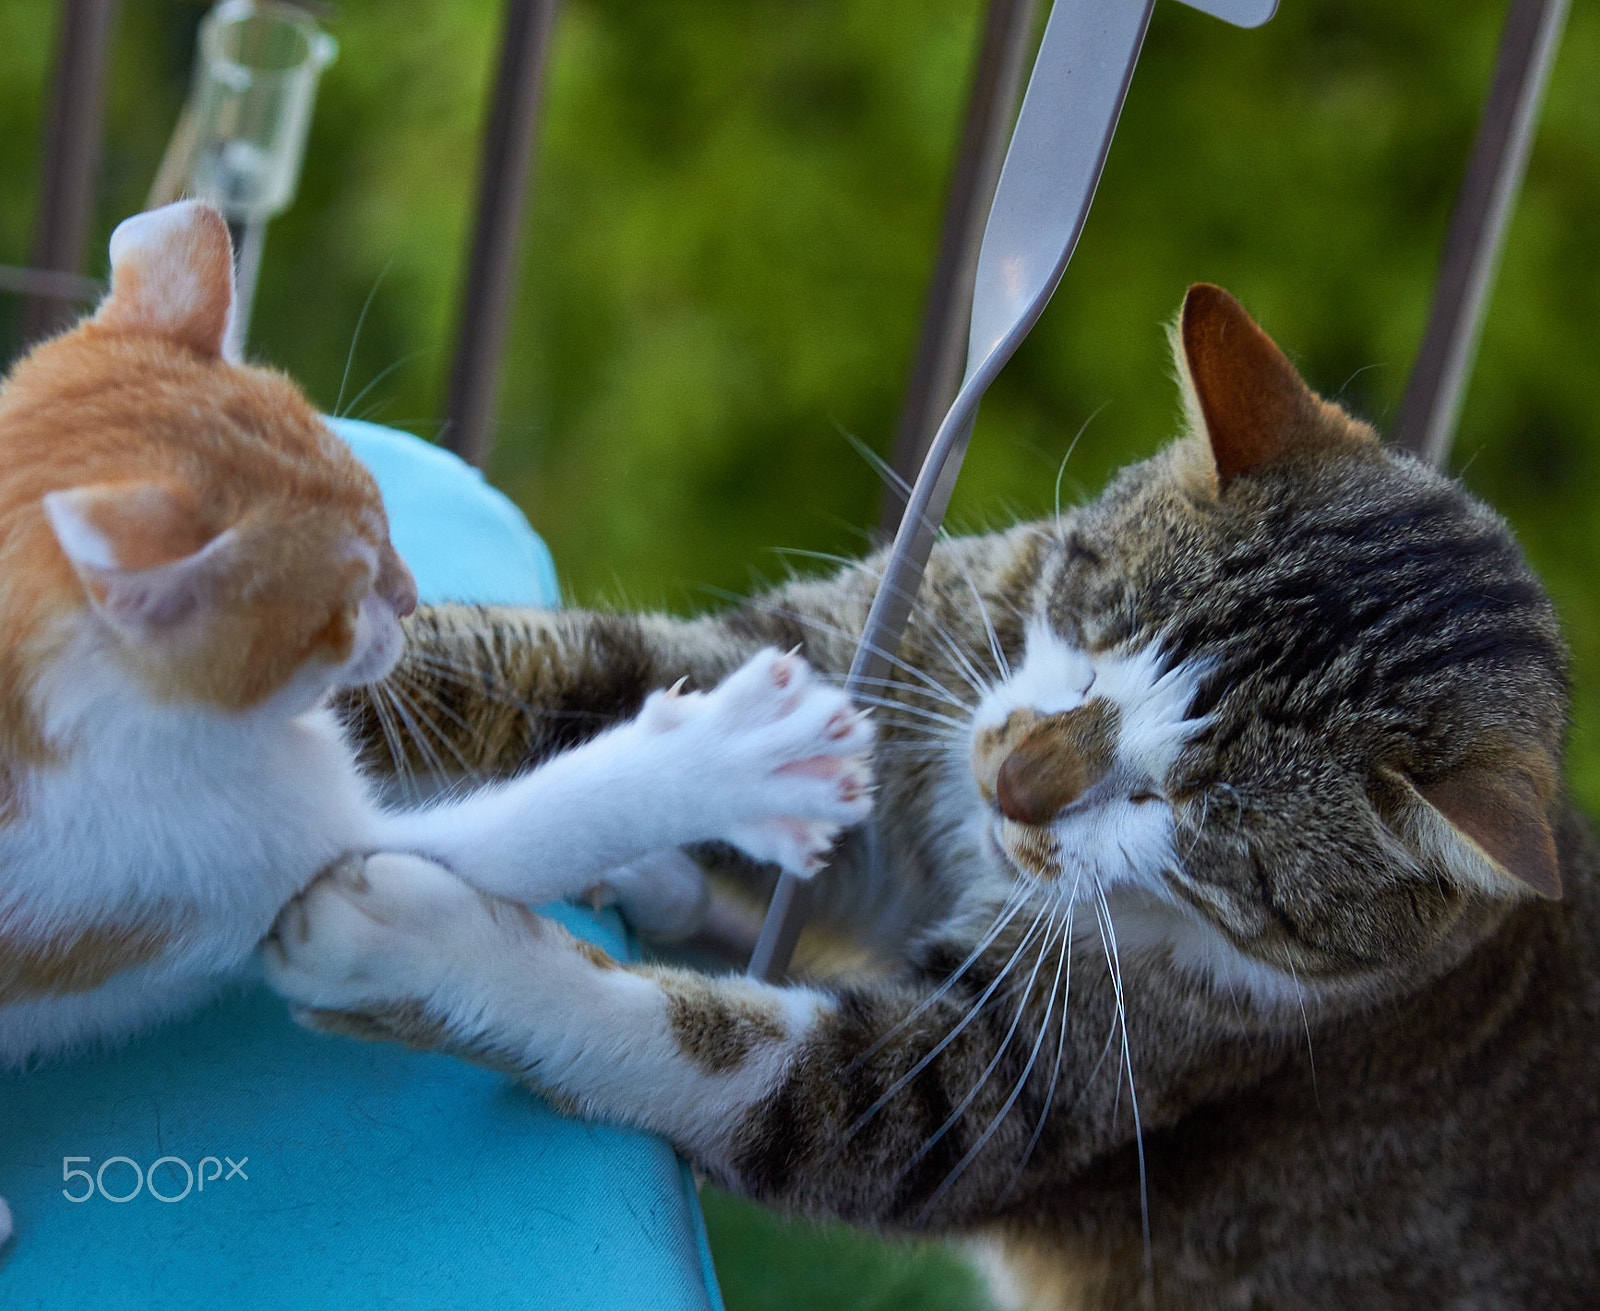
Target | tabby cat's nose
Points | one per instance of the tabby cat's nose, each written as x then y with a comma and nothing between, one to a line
1055,763
1033,788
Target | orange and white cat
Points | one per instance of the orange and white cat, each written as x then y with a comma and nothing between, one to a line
190,563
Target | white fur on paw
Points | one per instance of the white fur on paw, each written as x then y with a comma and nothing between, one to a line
665,894
372,929
784,757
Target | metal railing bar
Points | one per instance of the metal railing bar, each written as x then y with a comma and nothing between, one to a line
50,284
942,348
73,129
1432,404
502,197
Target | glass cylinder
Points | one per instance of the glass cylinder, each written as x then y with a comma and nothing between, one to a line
249,111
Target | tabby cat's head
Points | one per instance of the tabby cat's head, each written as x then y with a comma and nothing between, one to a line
176,515
1299,690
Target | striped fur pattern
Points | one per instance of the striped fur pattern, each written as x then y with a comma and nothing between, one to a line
1242,946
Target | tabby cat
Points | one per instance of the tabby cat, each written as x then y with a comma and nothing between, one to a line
1250,953
190,562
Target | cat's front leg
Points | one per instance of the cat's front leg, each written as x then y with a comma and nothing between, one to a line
926,1103
394,947
772,760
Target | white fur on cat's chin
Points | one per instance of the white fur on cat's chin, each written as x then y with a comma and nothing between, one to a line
377,646
1121,847
374,652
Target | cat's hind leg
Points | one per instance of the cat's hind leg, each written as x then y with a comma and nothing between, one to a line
5,1222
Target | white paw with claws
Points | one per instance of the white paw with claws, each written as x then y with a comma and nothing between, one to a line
376,929
779,761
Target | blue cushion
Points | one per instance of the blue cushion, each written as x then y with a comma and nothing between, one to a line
464,540
369,1177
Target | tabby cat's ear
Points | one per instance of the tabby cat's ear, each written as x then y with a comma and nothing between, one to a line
1243,393
172,276
1490,830
140,550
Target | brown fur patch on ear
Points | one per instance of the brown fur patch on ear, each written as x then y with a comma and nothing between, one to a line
74,962
1254,406
1505,819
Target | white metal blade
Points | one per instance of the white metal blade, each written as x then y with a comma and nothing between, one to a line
1241,13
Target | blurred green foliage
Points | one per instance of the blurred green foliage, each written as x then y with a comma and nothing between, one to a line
735,214
765,1263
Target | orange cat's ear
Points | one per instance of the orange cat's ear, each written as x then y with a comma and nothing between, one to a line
141,551
1243,393
172,276
1490,830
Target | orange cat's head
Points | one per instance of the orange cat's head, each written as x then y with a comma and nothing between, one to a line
186,516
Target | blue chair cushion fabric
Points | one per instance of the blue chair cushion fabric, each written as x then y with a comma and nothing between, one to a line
234,1160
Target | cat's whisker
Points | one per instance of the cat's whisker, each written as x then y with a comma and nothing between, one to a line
885,471
921,742
426,722
1003,917
1061,1041
421,695
972,1013
1027,1070
431,760
894,658
960,658
384,373
476,680
392,741
1305,1020
420,689
960,1108
895,684
823,557
1001,663
355,338
1071,447
1114,959
922,675
906,708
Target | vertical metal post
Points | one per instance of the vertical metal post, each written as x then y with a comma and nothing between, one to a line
502,188
942,349
1432,403
72,137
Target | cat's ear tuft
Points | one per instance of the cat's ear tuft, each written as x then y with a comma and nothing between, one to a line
140,550
1241,391
1490,830
172,276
